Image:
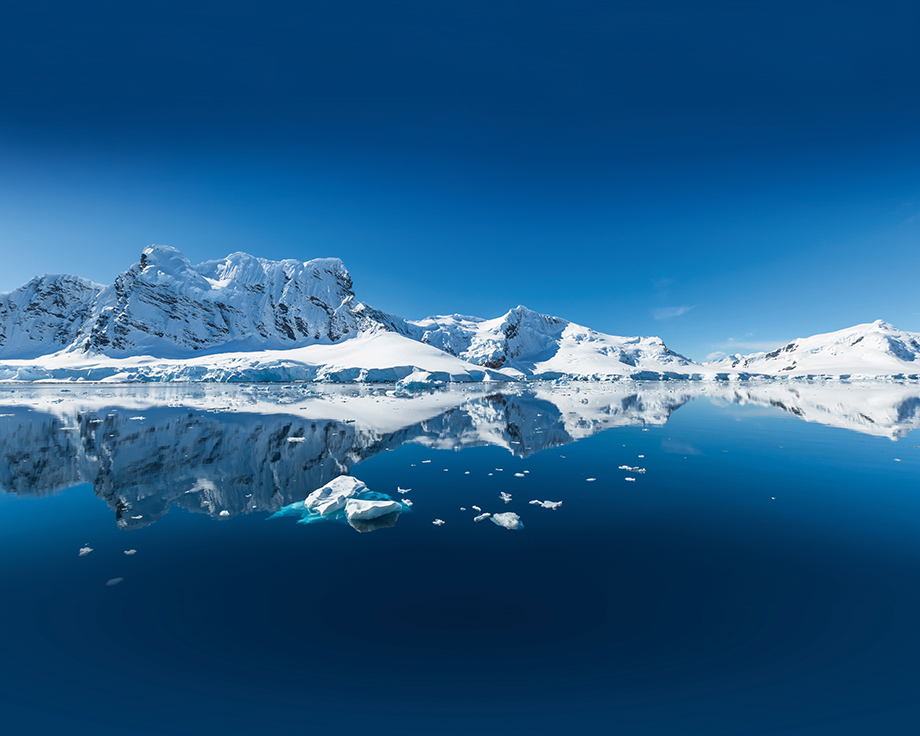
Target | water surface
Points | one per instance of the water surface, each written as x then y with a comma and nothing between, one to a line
760,577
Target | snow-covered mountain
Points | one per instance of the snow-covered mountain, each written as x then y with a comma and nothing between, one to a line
527,344
867,350
243,318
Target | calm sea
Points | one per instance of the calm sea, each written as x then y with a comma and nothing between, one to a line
760,573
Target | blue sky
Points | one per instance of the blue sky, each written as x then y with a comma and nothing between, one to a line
725,175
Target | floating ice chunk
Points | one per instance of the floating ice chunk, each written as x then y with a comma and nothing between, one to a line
631,480
130,552
359,508
296,439
332,496
403,490
463,508
407,501
547,504
631,469
590,480
467,472
500,469
85,551
508,519
506,497
136,419
224,513
426,461
475,508
482,517
438,522
445,470
490,473
141,516
114,581
645,430
641,455
526,472
897,459
518,475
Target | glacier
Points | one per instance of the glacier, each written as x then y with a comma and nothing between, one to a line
248,319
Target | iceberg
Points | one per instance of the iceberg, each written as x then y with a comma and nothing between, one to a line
332,497
508,519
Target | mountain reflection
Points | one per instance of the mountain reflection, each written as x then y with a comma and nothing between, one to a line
230,450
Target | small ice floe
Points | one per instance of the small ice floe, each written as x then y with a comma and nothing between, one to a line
897,459
463,508
500,470
296,439
490,473
590,480
518,475
526,472
114,581
641,455
130,552
508,519
141,516
426,461
467,472
547,504
631,469
438,522
482,517
407,501
476,508
645,430
136,419
248,495
631,480
224,513
85,551
403,490
562,456
506,497
445,470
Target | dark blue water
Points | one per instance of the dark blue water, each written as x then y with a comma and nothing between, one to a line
760,578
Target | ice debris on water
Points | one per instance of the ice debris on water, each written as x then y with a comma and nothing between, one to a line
224,513
407,501
631,469
632,480
475,508
508,519
426,461
518,475
506,497
547,504
141,516
590,480
467,472
482,517
130,551
438,522
114,581
85,551
296,439
403,490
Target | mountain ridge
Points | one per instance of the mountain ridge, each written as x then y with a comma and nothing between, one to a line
244,318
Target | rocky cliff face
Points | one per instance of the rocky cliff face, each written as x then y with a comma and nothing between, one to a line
45,315
165,306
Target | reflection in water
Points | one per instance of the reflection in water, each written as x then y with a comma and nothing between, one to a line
229,450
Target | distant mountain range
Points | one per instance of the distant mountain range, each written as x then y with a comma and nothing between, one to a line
243,318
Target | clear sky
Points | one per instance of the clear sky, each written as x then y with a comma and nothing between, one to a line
727,175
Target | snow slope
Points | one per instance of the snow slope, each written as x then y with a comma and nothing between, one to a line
868,350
